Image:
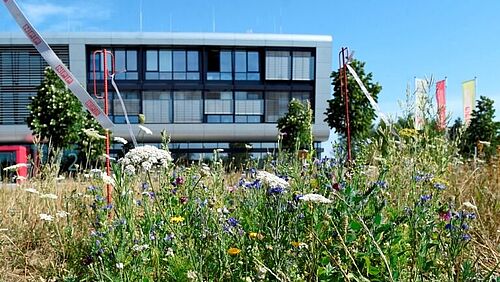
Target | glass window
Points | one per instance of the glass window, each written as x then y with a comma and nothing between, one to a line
247,65
151,60
172,64
303,66
131,60
157,106
278,65
132,103
120,60
219,65
218,102
276,105
187,107
179,61
248,104
192,57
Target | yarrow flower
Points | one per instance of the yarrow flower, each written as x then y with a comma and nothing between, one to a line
272,180
145,158
315,198
48,196
107,179
120,140
31,190
93,134
145,129
46,217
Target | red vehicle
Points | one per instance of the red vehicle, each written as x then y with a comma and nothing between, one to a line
11,155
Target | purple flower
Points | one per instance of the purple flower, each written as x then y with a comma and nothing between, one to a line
179,180
144,186
233,222
183,200
91,188
439,186
381,184
449,226
425,198
275,191
465,226
466,237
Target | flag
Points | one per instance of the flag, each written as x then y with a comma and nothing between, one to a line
441,103
421,87
469,94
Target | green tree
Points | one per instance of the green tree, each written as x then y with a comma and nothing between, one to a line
482,127
56,114
295,126
361,113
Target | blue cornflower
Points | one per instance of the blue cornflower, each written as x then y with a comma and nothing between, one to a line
91,188
108,207
169,237
276,191
138,202
144,186
466,237
471,215
439,186
233,222
425,198
465,226
99,198
381,184
449,226
420,177
297,197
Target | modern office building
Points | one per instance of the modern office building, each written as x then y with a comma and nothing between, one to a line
208,90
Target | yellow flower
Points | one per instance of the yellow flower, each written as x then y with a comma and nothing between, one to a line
314,183
176,219
255,235
408,132
233,251
298,244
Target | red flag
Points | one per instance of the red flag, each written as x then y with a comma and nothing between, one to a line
441,103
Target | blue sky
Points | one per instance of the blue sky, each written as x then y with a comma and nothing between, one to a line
398,40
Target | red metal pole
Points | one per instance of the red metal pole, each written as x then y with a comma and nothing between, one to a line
344,91
106,111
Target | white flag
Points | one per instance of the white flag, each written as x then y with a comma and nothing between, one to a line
421,87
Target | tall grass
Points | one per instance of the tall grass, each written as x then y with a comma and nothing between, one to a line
408,209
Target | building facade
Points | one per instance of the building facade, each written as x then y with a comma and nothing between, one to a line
207,90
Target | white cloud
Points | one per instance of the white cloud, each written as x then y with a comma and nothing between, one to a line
76,16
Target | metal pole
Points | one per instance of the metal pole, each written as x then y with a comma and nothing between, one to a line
106,111
344,53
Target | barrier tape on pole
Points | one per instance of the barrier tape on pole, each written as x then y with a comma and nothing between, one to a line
367,94
62,71
132,136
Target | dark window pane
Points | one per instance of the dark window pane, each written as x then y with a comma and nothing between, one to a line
165,60
152,60
192,57
179,61
213,64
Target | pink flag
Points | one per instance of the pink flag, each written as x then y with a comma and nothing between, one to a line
441,103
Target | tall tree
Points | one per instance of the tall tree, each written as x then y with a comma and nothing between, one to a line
361,113
296,126
482,127
56,114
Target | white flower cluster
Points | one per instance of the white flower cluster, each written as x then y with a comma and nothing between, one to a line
315,198
272,180
145,157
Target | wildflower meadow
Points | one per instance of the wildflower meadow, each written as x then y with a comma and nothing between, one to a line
407,209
